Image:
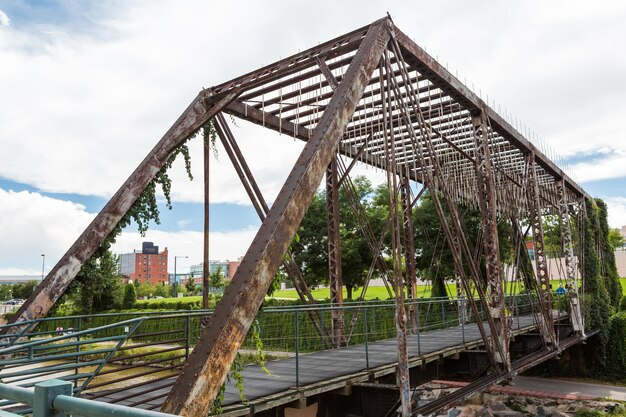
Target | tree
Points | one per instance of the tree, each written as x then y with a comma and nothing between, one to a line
130,296
145,289
434,259
191,286
311,249
163,291
98,285
24,289
137,282
616,239
6,292
216,279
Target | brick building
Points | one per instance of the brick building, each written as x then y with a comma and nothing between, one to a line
146,265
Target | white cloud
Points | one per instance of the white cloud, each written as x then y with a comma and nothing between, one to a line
102,100
612,166
617,211
31,225
4,19
79,111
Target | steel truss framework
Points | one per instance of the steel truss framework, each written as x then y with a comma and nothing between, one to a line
374,96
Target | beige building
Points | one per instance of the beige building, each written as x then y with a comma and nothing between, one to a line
620,259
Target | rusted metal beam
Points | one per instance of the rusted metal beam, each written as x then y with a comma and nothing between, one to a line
291,65
265,119
334,253
541,261
442,78
55,284
486,194
402,375
355,159
328,74
409,250
207,367
260,205
570,267
452,229
205,251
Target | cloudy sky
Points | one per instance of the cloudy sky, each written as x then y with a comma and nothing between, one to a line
87,88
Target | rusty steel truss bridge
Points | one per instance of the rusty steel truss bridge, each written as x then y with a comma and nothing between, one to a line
374,97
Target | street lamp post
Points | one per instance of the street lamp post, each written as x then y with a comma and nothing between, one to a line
43,264
175,276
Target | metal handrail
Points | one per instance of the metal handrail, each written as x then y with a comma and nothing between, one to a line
50,397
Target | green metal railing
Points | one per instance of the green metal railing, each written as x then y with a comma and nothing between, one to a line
105,354
49,398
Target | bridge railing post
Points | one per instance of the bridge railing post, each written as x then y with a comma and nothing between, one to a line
261,323
419,325
79,327
45,394
461,302
297,347
187,335
367,356
517,311
443,313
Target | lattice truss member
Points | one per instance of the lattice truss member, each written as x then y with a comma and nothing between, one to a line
376,97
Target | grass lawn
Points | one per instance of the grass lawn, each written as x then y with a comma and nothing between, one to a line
372,293
381,292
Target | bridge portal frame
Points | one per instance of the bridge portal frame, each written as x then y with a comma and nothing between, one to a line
436,141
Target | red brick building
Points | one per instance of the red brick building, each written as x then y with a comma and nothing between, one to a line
147,265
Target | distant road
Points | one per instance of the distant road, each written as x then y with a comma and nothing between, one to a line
570,387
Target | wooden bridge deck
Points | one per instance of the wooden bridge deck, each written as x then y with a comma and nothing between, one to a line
322,371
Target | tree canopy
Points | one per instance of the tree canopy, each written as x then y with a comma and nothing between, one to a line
433,257
311,249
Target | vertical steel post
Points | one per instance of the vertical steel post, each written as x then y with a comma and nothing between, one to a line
297,347
367,356
205,251
409,248
485,185
334,253
402,374
443,312
541,261
187,335
566,236
79,327
462,306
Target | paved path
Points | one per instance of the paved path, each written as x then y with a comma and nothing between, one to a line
570,387
551,388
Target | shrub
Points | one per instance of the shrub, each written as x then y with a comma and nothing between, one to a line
616,360
130,295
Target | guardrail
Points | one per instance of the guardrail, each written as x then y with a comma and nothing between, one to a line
111,356
54,396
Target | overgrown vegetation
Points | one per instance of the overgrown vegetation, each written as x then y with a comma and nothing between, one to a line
20,290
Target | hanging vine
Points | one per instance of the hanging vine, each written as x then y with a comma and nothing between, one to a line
145,208
237,367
